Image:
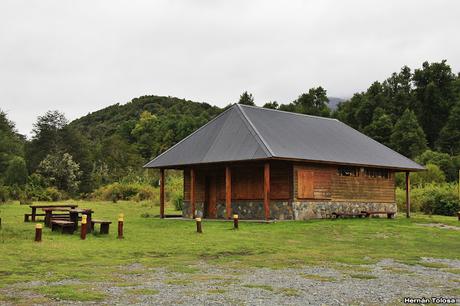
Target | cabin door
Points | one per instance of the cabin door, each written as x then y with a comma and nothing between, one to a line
210,208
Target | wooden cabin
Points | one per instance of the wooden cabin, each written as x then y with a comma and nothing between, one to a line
275,165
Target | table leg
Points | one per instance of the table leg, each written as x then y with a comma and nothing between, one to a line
88,221
74,218
48,217
34,211
104,228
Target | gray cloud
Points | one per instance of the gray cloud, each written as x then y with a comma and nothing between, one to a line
79,56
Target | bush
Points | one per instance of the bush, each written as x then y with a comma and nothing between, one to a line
178,201
175,191
126,191
432,175
16,173
4,194
38,193
439,199
53,194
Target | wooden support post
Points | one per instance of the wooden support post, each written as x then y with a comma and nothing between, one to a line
198,225
192,191
267,190
83,227
38,233
162,193
408,194
228,191
120,226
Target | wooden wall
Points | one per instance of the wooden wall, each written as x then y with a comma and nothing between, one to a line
247,181
300,181
323,182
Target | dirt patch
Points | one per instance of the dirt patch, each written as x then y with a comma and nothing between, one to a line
440,225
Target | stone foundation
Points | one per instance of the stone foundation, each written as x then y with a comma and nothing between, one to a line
286,210
318,210
249,210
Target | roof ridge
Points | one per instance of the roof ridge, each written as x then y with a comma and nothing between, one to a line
191,134
255,132
291,113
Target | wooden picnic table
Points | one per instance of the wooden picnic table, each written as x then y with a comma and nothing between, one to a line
75,216
34,208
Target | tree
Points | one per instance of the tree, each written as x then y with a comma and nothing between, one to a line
435,93
79,147
372,99
315,102
246,99
397,90
145,133
443,160
11,143
408,137
16,173
449,137
118,155
381,127
60,171
45,137
271,105
432,175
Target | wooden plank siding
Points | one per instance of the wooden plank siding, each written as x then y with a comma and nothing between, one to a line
327,184
298,181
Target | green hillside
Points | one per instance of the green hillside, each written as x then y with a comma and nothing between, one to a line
122,118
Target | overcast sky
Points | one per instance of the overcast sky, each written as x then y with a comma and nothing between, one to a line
80,56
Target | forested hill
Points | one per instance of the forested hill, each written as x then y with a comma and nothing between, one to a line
122,118
415,112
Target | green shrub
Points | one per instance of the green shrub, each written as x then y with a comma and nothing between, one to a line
432,175
126,191
178,201
4,194
16,172
24,198
53,194
439,199
175,191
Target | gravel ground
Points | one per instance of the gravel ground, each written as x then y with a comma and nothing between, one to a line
386,282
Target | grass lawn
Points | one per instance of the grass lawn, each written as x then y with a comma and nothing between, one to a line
175,245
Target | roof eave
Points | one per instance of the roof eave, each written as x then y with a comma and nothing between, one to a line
397,169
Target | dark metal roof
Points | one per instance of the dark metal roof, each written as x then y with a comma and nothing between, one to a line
246,132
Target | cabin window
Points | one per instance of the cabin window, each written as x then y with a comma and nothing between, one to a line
348,171
377,173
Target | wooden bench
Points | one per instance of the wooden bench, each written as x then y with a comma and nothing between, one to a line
337,215
64,226
390,215
27,217
104,225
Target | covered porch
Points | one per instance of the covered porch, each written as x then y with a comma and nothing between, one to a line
249,189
